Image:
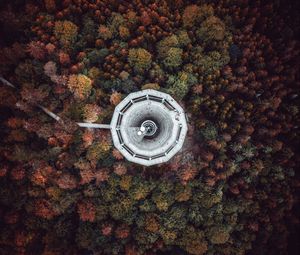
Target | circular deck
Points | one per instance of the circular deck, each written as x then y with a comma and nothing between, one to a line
148,127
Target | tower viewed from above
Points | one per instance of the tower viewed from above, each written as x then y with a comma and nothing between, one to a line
148,127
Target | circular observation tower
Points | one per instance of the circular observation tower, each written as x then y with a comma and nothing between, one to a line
148,127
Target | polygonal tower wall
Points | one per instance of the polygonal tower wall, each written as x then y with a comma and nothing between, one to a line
148,106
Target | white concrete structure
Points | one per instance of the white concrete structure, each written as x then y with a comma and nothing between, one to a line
148,127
